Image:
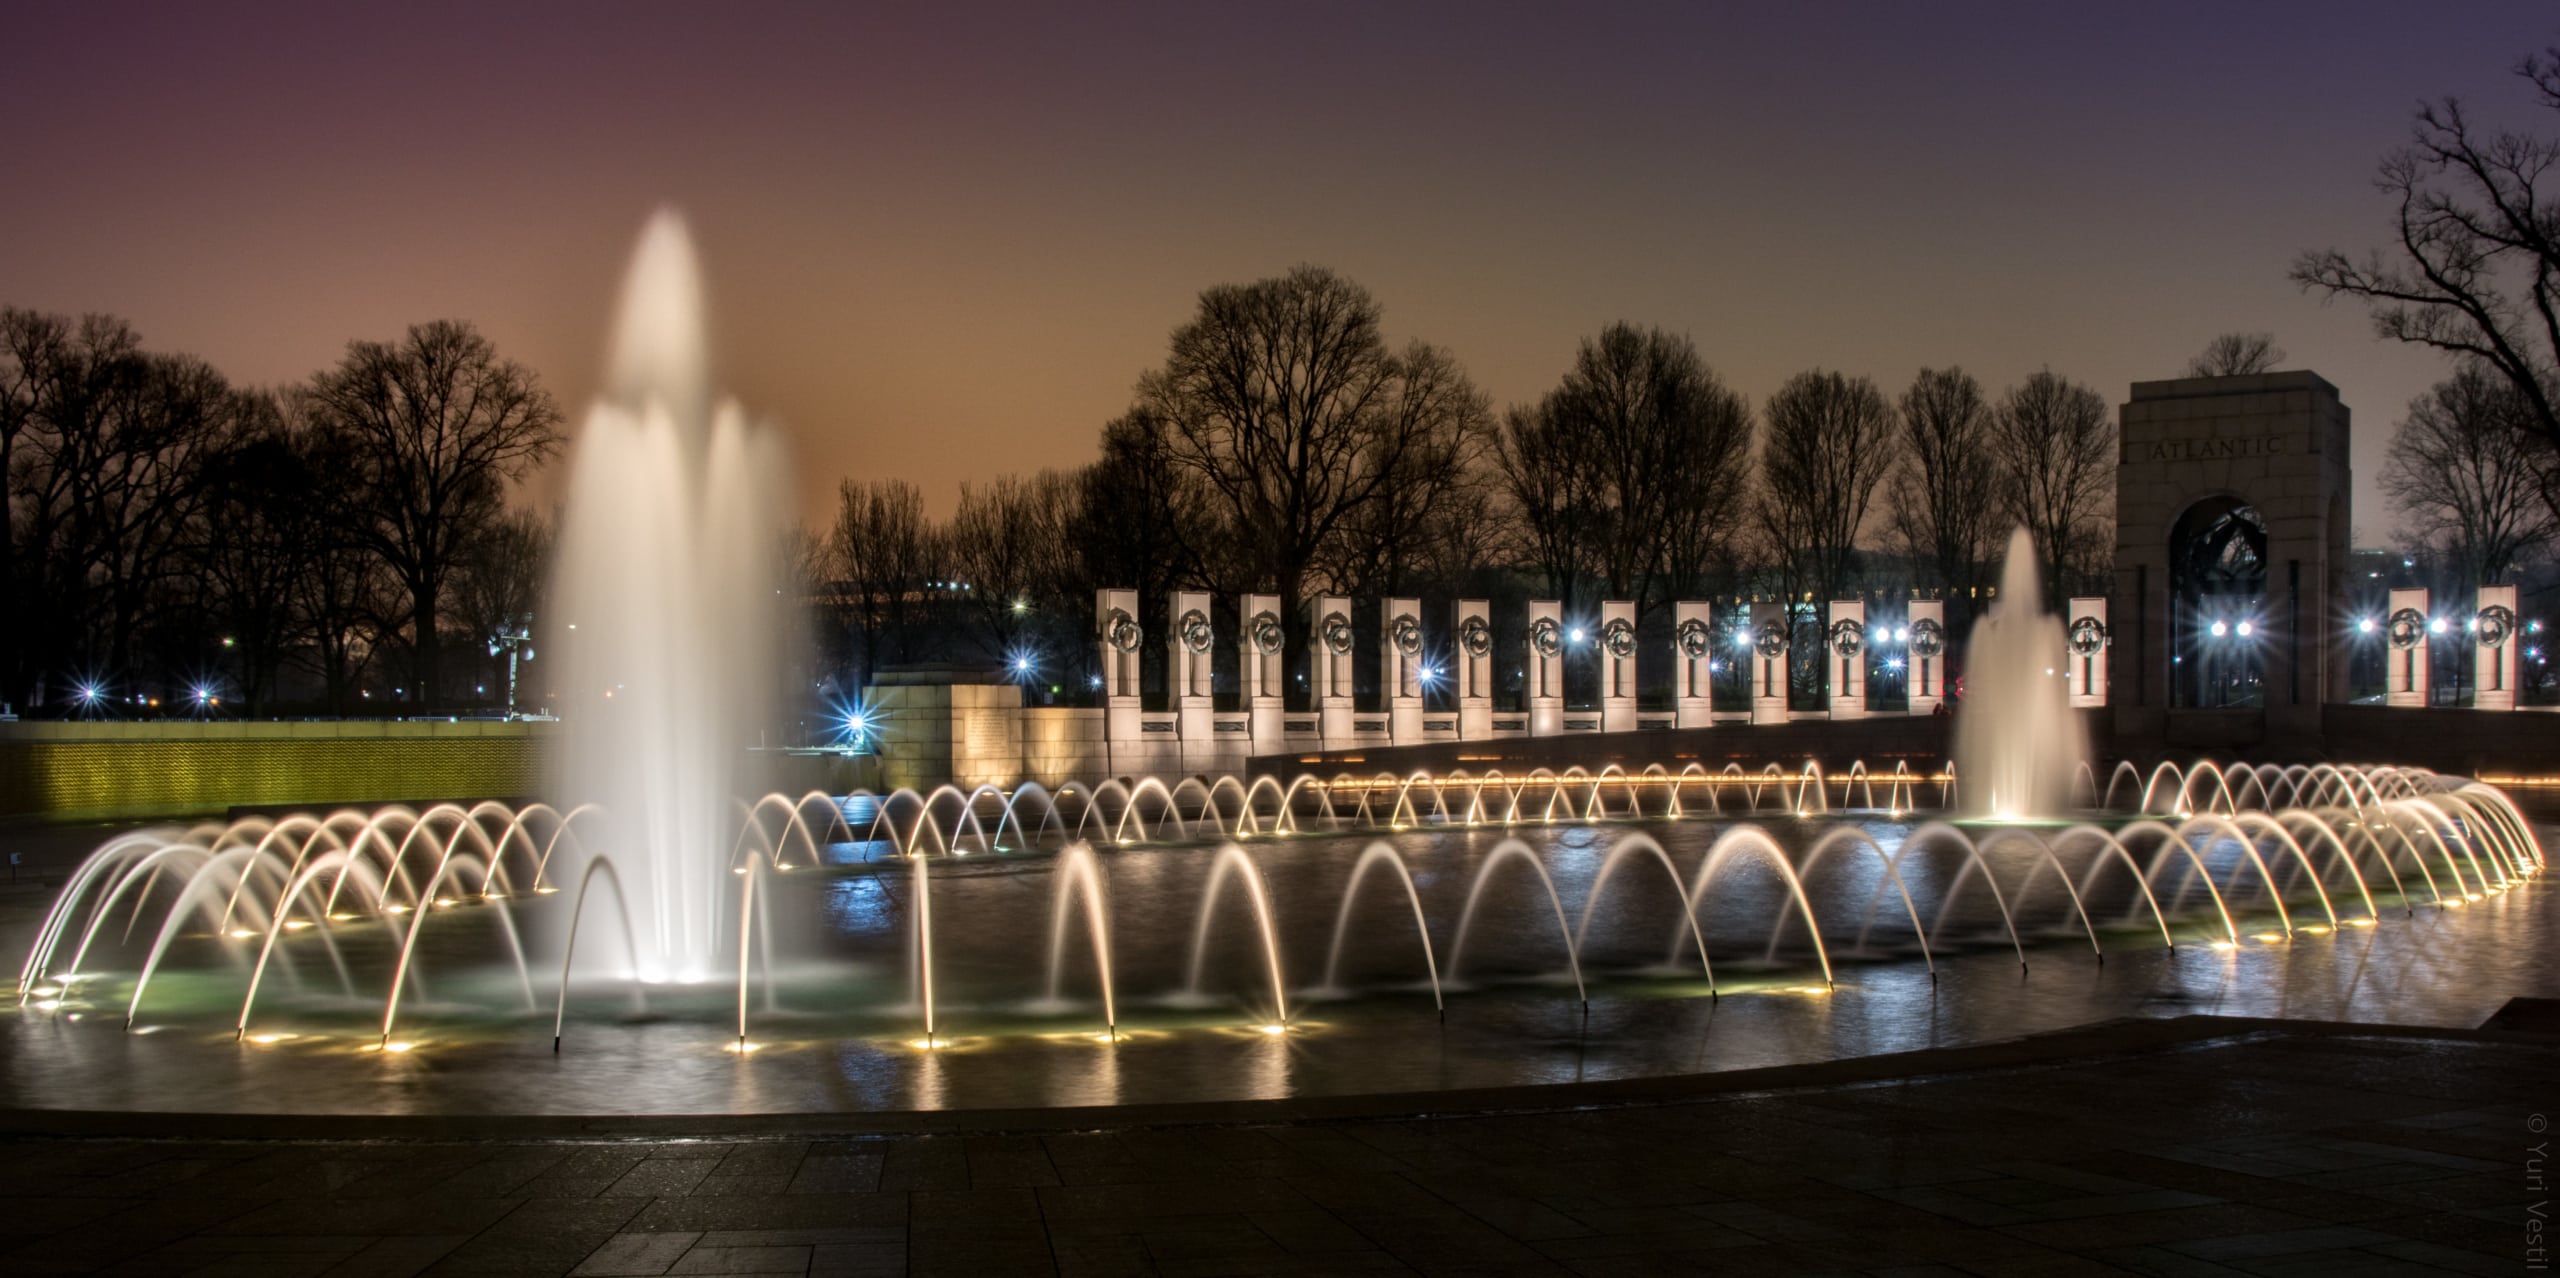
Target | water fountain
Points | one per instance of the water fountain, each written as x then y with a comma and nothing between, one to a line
716,950
391,932
665,609
2018,745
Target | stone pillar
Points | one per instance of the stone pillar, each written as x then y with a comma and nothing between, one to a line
1768,659
1116,625
1617,665
2086,640
1471,667
1846,638
1261,670
1187,644
1693,663
2407,627
1329,668
1926,657
2496,637
1400,666
1544,680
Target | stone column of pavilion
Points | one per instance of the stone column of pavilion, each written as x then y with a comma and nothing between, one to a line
2085,636
1188,641
1693,658
1329,669
1261,667
1617,645
1927,655
1400,665
2408,628
2495,641
1768,657
1116,624
1471,668
1846,638
1544,668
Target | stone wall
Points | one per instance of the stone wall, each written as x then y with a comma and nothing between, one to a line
107,771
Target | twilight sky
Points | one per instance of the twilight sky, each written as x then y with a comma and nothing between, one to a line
943,241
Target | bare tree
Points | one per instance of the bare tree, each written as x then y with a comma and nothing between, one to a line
1553,492
1434,500
1284,405
2474,267
881,553
1010,541
441,425
2236,355
1625,475
2056,442
1945,494
1826,442
263,518
2459,473
109,449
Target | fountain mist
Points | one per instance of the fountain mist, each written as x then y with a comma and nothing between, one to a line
664,610
2018,745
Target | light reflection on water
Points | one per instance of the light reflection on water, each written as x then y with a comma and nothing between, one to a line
846,1013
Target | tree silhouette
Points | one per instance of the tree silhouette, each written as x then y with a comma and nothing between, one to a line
2457,472
2474,266
2237,354
439,424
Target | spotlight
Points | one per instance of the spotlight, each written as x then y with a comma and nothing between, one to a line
2219,629
2245,629
2436,627
2364,625
1577,634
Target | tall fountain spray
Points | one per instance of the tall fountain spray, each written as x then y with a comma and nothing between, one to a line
665,612
2018,745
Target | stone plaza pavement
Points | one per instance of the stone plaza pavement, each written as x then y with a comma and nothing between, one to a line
2186,1147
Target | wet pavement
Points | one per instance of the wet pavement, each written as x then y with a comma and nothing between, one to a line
2243,1149
840,1029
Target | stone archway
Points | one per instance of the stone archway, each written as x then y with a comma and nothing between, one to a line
2232,508
2217,601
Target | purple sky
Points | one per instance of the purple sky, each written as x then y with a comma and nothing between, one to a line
942,243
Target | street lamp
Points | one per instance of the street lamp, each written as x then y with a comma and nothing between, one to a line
514,638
